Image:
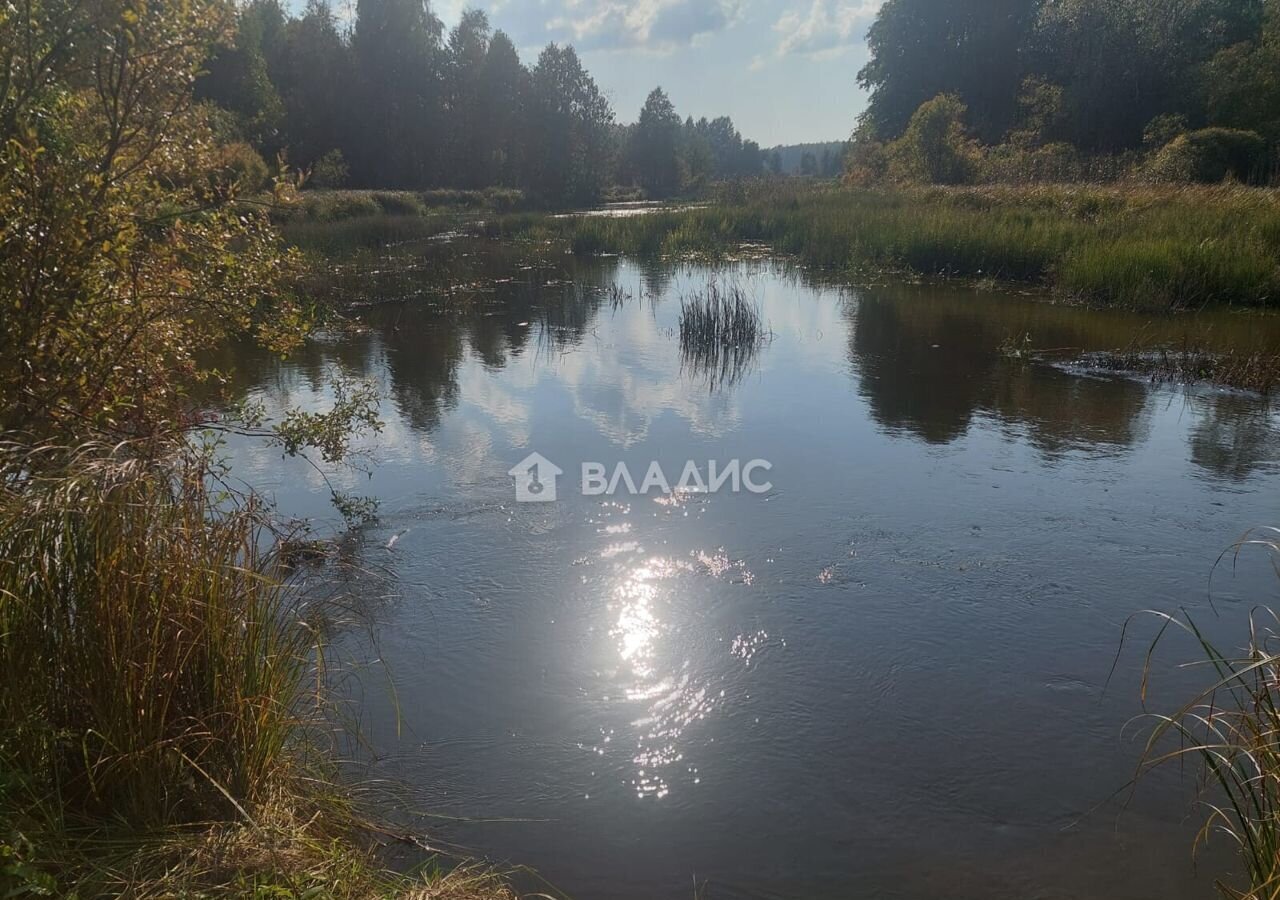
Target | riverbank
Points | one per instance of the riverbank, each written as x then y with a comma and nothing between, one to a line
164,689
1135,245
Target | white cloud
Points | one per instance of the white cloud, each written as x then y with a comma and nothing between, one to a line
827,27
660,25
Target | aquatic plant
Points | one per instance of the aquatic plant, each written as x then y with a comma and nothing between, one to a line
1233,728
720,334
1191,363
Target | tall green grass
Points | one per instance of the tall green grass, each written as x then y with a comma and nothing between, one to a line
720,334
1135,245
162,727
152,663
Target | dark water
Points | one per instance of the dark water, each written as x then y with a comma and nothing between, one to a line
883,678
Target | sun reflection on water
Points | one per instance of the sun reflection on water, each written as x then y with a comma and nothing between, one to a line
667,692
672,701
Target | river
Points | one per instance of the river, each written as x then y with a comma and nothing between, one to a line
883,675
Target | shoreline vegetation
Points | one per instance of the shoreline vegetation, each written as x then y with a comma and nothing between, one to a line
1143,246
1228,733
165,723
1134,245
162,685
1139,246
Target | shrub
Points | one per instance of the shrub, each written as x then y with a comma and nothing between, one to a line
866,162
1163,129
330,171
1211,155
935,148
242,168
399,203
335,206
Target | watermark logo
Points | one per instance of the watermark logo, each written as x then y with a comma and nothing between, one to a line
536,479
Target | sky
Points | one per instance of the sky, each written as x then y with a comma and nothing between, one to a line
784,70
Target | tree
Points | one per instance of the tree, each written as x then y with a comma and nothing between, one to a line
504,94
244,72
468,54
123,251
316,86
1121,63
571,151
655,146
970,48
399,58
935,148
1242,81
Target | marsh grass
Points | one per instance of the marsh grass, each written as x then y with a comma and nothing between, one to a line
1233,729
164,726
1193,363
720,334
150,655
375,231
1138,245
336,205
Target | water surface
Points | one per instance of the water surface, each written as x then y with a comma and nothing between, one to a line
884,678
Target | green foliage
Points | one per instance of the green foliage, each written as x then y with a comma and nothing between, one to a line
329,171
1090,73
20,875
407,108
1242,83
399,59
935,148
468,100
1163,129
1211,155
570,130
240,169
1042,114
655,146
316,79
123,251
399,203
969,48
1142,246
353,412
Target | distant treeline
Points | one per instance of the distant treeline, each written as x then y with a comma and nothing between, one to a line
394,102
824,159
1176,89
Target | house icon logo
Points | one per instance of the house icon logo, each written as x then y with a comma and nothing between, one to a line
536,479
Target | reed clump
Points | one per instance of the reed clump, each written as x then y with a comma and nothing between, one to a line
150,655
1233,729
720,334
163,727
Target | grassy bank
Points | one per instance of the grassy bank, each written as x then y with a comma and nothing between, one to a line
163,727
1141,246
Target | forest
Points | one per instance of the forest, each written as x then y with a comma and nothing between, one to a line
395,102
1069,90
958,92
